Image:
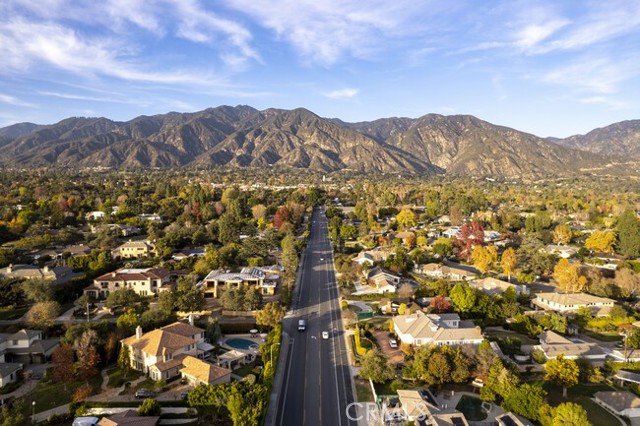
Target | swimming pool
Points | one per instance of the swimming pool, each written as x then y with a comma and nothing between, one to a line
240,343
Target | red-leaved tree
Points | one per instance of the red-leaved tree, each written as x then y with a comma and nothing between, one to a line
471,235
440,304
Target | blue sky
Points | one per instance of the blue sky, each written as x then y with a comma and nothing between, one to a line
552,68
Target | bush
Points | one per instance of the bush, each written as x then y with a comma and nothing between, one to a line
149,407
538,356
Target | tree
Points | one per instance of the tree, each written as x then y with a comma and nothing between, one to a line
440,304
156,318
252,299
484,359
12,413
149,407
259,211
128,322
271,315
210,401
37,290
402,309
43,315
628,229
167,301
628,282
601,241
509,261
82,393
568,276
443,247
348,232
124,297
525,400
87,354
406,290
463,297
562,234
563,371
482,259
570,414
62,360
110,346
471,235
406,218
124,359
189,298
376,367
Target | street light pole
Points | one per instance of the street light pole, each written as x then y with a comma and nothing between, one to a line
33,412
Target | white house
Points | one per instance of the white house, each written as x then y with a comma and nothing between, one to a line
492,285
440,329
95,215
620,403
145,282
553,344
571,302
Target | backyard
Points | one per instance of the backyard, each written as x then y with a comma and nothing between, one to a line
581,394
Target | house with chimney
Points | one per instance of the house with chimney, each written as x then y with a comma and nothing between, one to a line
165,352
145,282
420,329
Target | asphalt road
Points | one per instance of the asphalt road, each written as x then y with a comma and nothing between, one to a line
317,385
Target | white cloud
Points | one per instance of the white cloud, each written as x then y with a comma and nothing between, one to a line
325,31
595,74
12,100
346,93
531,35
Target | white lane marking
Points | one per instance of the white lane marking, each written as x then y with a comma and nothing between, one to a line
292,343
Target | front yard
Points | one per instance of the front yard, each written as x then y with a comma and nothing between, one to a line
48,395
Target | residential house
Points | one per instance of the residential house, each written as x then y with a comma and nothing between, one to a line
629,355
390,306
491,236
371,256
95,215
452,232
623,403
150,217
571,302
135,250
128,418
439,329
493,286
511,419
563,251
57,275
382,280
27,347
194,252
553,344
145,282
9,373
76,250
421,407
160,353
219,280
124,230
197,371
447,272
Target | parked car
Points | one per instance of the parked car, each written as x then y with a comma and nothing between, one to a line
325,335
145,393
393,343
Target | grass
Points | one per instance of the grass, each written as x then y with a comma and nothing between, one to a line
13,313
604,337
383,389
363,390
118,378
245,370
581,394
595,413
472,408
51,395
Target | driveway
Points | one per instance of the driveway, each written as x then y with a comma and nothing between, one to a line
395,355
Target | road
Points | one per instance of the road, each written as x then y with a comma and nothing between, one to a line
317,386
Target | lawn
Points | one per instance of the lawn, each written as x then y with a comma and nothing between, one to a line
117,377
603,337
363,390
595,413
384,389
13,313
245,370
51,395
503,334
581,394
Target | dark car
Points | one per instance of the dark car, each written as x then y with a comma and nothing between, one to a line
145,393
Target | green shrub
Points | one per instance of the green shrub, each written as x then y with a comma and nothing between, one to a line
149,407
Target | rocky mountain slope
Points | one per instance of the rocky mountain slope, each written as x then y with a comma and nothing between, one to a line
245,137
620,139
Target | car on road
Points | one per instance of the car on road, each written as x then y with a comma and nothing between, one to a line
145,393
322,258
302,325
393,343
325,335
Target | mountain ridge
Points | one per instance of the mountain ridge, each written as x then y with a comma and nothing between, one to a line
243,136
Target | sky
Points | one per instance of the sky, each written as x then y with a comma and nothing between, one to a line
548,67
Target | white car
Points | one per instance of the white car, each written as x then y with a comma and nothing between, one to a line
393,343
325,335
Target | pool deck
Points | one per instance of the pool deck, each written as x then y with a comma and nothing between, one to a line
253,337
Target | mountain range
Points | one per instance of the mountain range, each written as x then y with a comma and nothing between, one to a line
241,136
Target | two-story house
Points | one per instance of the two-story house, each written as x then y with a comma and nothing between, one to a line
145,282
26,347
217,281
135,250
160,353
447,272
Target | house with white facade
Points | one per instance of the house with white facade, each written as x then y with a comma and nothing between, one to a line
440,329
26,347
622,403
571,302
447,272
494,286
218,281
144,281
135,250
